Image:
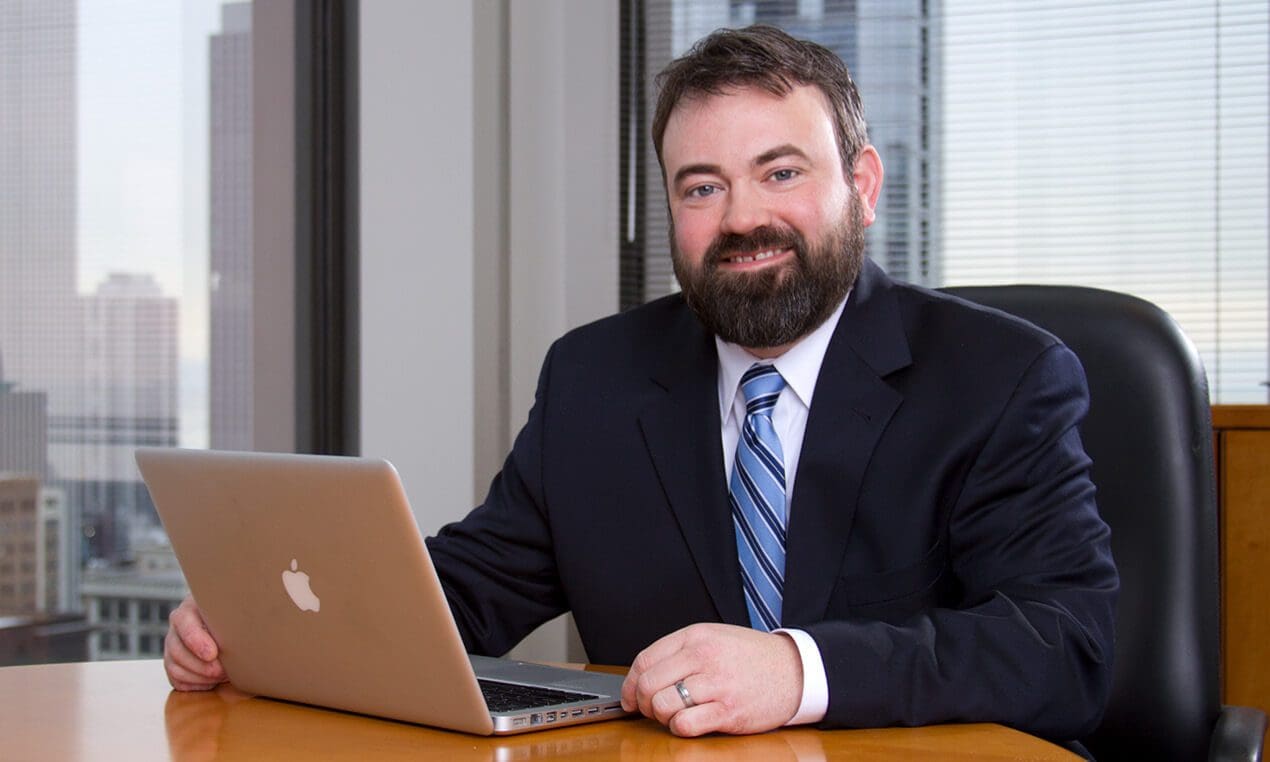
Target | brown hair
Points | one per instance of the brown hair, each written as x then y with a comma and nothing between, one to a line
765,57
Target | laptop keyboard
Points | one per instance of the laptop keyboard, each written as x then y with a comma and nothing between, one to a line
508,697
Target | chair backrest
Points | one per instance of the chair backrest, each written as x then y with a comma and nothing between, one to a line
1149,433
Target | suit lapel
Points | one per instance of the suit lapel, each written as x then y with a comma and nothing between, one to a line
851,408
682,432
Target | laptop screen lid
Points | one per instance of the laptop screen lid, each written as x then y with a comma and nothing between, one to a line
312,576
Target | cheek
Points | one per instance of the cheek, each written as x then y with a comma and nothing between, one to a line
812,214
694,232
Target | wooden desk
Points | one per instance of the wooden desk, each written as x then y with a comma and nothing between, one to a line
1242,439
125,711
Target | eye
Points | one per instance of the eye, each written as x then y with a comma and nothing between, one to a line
781,175
702,191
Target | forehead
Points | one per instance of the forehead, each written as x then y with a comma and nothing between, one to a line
742,123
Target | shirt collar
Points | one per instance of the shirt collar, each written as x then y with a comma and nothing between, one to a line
799,366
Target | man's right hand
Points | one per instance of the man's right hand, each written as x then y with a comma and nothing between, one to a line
190,653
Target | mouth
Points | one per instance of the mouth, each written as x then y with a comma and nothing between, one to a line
755,258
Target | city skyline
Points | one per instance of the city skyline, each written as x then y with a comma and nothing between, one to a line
91,320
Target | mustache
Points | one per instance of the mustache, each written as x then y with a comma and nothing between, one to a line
758,239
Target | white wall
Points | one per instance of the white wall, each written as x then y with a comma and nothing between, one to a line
416,148
488,184
563,176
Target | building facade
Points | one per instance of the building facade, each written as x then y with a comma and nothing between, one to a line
33,572
128,605
230,279
131,388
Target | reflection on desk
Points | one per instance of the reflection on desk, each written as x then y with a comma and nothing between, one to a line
125,710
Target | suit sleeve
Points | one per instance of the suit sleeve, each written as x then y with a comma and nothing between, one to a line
1030,643
497,565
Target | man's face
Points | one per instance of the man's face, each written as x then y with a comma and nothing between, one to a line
767,231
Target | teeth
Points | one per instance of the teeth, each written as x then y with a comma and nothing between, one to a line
756,257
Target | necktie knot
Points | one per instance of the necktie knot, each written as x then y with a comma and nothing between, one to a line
761,385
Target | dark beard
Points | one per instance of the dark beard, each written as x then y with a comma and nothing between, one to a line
775,306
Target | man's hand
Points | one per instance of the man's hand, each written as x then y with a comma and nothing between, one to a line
190,653
740,680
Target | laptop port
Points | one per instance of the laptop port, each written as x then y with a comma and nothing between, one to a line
551,717
577,712
535,719
593,710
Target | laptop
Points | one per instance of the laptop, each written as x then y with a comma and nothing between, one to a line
312,576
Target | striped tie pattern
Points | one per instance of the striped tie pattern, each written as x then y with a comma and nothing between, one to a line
757,494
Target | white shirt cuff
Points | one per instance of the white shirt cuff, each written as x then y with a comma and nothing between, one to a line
815,684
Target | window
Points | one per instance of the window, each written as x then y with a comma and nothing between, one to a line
116,160
1115,145
1122,147
129,270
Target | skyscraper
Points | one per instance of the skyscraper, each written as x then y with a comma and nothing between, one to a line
23,430
130,401
898,74
40,329
230,280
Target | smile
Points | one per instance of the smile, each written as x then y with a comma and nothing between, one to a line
759,257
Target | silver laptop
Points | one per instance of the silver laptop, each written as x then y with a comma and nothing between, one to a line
312,576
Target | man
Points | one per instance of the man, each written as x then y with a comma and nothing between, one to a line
906,492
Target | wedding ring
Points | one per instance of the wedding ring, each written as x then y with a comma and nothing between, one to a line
683,694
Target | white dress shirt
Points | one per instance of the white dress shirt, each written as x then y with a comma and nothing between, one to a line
800,367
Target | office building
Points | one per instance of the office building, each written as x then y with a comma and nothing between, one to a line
32,521
128,603
130,382
230,279
23,429
898,73
40,330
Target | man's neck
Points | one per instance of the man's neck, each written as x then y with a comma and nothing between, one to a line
771,353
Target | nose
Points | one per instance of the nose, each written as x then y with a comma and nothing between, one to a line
745,210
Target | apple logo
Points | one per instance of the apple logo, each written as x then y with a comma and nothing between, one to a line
297,585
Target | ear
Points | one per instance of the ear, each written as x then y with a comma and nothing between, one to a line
867,174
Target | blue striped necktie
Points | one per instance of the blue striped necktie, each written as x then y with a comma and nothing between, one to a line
757,494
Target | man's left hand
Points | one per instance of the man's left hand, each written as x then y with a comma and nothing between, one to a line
739,680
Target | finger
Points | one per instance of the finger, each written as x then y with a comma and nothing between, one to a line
181,661
699,720
668,702
662,676
184,680
176,649
648,657
189,626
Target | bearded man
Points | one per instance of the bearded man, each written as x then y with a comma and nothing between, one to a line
800,491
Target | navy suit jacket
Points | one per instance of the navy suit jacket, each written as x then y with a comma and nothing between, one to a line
944,548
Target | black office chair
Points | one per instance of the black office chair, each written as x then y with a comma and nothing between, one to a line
1149,432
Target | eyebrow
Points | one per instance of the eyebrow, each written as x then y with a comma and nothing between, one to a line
779,152
770,155
696,169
